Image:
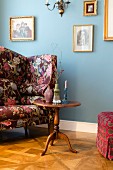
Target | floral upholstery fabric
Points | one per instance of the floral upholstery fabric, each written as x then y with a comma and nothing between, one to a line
13,66
16,116
18,111
22,81
104,139
9,94
30,99
39,75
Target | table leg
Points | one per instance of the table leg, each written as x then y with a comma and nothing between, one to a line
57,134
64,137
51,137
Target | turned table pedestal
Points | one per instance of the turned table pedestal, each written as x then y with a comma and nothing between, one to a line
56,134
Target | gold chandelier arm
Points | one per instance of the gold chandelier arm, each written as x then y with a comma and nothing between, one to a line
49,8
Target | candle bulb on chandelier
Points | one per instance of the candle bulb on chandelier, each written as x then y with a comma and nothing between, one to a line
47,1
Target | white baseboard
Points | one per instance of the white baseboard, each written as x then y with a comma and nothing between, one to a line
77,126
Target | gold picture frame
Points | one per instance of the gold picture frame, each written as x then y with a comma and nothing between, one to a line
108,20
90,8
83,38
21,28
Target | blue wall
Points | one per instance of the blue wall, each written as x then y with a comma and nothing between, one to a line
89,75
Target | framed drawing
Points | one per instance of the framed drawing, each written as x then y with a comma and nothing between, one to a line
82,38
22,28
108,20
90,7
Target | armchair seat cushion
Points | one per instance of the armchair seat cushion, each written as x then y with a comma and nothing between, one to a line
15,116
19,112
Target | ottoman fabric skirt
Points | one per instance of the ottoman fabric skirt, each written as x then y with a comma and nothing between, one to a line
104,140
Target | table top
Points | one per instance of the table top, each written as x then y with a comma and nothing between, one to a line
62,105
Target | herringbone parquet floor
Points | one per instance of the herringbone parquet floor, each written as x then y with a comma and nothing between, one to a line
18,153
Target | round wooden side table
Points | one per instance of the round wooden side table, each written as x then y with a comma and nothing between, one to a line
56,134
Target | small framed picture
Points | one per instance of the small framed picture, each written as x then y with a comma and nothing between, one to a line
82,38
90,8
22,28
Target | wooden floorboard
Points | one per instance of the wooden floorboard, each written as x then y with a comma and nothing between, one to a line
19,153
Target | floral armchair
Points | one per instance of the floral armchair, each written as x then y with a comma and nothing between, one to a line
22,81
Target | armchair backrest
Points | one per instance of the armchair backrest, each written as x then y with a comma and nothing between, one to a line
35,72
41,73
13,66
